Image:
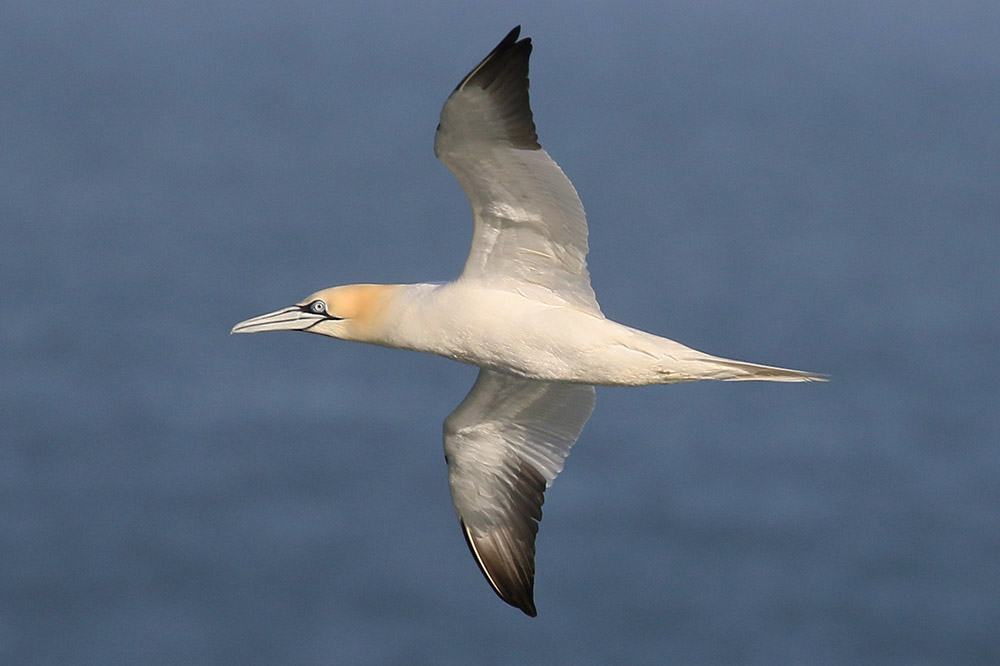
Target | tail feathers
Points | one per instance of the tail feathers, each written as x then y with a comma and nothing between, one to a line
726,370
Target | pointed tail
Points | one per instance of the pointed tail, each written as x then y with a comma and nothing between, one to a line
724,369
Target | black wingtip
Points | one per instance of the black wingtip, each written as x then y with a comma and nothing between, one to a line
504,75
482,75
515,586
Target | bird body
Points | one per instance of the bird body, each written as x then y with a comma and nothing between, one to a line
523,311
518,335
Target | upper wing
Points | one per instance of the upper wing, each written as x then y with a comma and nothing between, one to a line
504,445
530,229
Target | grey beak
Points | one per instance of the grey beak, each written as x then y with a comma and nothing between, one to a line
289,319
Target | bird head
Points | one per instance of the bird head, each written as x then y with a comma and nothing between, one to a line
351,312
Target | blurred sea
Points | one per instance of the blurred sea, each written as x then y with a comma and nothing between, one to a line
810,185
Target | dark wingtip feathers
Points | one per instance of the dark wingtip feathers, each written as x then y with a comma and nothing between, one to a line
503,74
512,579
505,552
486,71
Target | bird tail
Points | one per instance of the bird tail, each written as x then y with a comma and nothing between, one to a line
728,370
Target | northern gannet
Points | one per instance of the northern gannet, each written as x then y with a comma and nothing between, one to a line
522,310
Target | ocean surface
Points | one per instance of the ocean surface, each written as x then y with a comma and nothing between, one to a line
807,184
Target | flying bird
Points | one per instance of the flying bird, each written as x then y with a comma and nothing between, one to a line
522,310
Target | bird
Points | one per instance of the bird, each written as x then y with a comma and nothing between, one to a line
523,311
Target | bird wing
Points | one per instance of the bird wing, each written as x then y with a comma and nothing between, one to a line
530,232
504,445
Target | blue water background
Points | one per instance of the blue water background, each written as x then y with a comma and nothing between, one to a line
808,184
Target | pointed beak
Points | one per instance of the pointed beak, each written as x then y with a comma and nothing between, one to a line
289,319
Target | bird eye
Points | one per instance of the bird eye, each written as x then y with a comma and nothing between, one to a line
317,307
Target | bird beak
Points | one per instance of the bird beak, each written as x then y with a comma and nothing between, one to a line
289,319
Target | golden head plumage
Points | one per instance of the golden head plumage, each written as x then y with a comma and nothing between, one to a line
348,312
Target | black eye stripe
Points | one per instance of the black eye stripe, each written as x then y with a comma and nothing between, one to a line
318,307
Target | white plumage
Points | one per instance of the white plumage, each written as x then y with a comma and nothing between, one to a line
523,311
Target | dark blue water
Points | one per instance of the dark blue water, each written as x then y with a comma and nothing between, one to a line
811,185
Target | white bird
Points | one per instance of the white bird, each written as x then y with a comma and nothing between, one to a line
522,310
